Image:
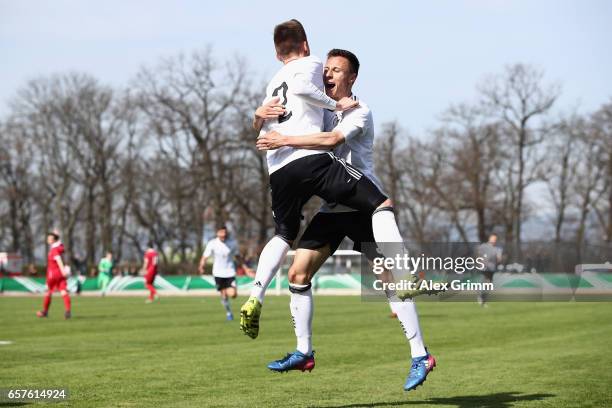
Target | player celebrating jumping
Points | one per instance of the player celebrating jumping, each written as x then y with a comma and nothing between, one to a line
298,174
224,251
56,275
150,266
298,87
353,134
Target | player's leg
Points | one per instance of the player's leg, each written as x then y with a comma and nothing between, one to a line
287,202
270,260
226,304
149,283
231,291
104,283
320,239
487,277
67,304
342,183
63,289
47,299
422,361
305,265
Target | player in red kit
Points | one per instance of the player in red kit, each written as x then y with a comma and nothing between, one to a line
150,268
56,275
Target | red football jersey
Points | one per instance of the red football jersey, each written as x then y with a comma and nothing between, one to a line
53,269
151,257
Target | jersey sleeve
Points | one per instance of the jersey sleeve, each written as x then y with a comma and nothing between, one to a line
304,88
353,123
209,249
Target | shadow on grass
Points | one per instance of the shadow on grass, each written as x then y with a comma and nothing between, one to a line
94,317
499,400
15,404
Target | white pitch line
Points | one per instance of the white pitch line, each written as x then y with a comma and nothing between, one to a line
5,342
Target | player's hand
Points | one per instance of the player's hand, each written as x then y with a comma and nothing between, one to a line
345,104
201,270
270,141
270,110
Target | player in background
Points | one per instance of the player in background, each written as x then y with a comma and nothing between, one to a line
294,104
493,255
56,275
150,267
352,135
105,272
225,252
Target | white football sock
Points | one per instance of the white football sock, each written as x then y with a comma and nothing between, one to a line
385,228
409,320
270,260
226,304
301,312
387,235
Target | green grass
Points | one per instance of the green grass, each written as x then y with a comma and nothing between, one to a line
119,352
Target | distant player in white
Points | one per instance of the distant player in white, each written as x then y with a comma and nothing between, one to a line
352,135
225,253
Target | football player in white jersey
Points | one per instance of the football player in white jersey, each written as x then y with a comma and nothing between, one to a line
352,136
225,252
297,174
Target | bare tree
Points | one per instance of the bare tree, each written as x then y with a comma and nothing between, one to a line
16,184
473,156
602,132
560,169
190,100
405,171
520,99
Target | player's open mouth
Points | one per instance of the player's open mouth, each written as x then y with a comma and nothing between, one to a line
329,86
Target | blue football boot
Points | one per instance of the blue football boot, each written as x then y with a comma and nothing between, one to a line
421,366
294,361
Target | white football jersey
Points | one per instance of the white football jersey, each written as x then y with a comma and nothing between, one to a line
223,253
357,126
301,118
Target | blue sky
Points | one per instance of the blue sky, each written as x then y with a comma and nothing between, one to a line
417,57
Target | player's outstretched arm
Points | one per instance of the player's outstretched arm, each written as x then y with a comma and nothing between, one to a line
269,110
202,265
316,141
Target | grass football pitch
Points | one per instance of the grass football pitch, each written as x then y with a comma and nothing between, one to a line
180,352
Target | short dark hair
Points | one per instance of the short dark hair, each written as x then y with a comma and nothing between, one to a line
221,227
352,58
53,234
288,37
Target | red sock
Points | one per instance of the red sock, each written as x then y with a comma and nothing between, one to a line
152,291
67,302
46,302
